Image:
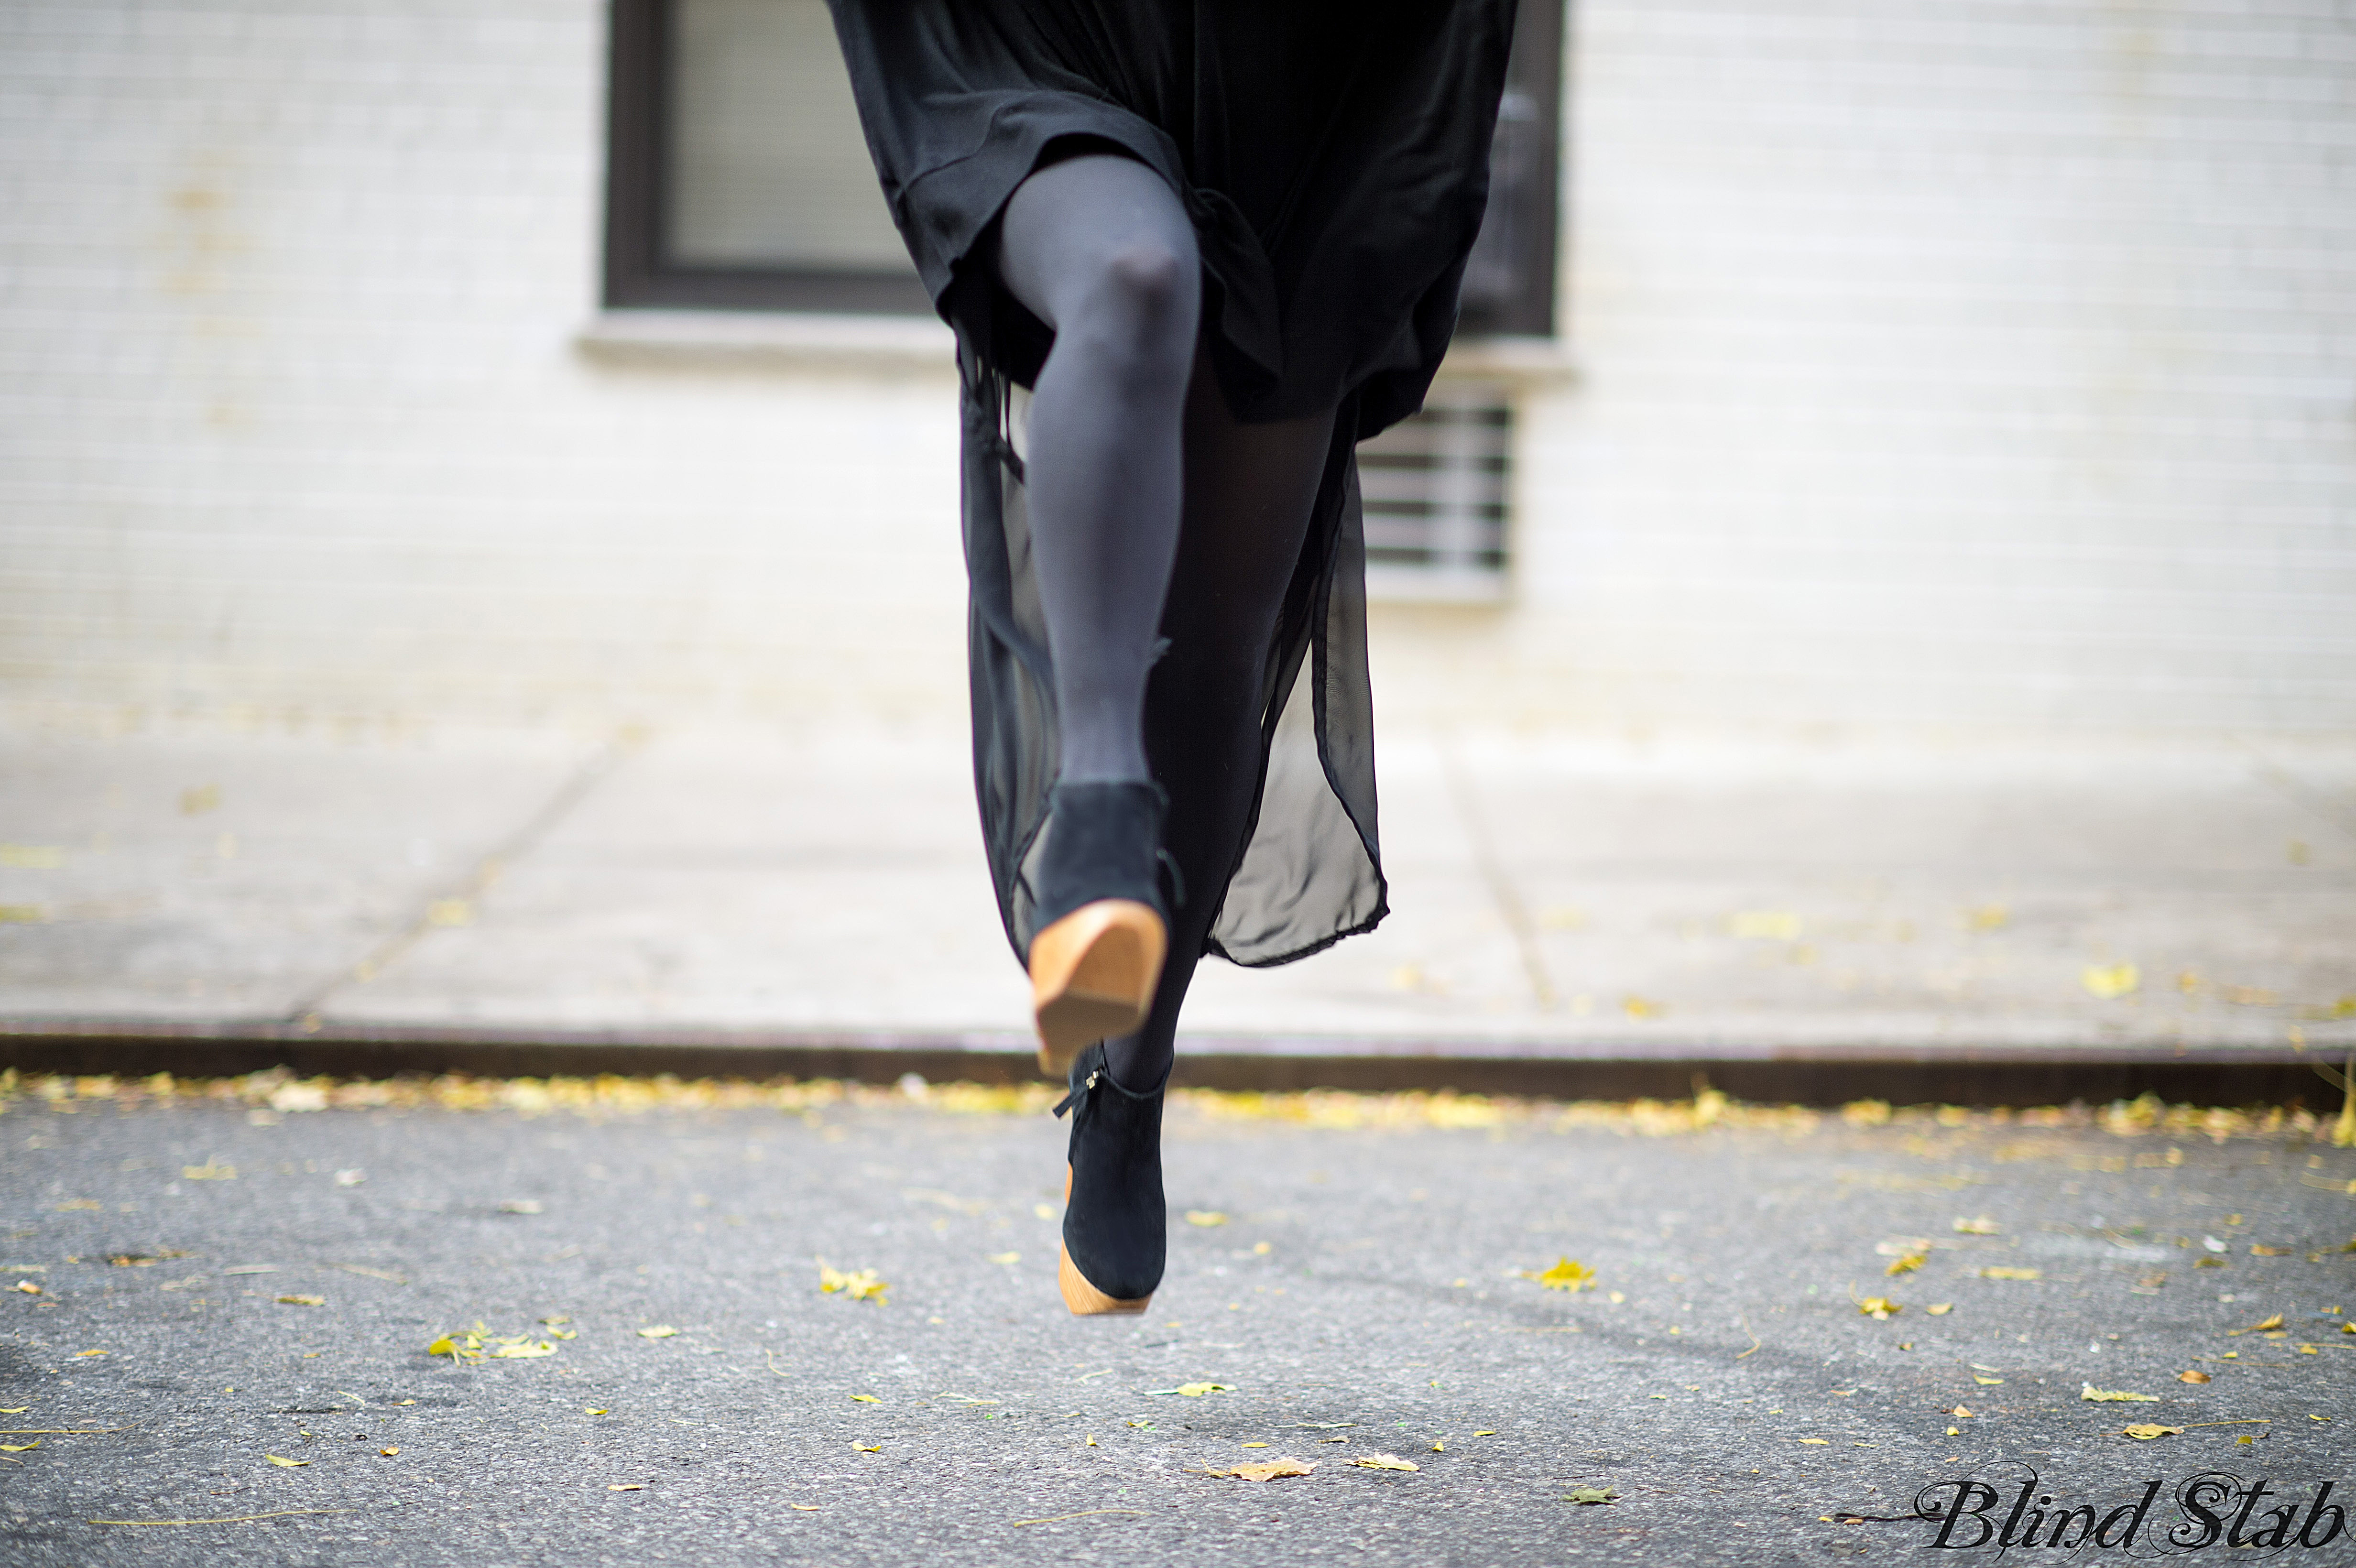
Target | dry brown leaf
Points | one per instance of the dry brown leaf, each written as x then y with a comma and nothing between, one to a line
2114,1396
2192,1375
1384,1462
1270,1469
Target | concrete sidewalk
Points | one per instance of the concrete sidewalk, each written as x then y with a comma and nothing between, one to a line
1557,900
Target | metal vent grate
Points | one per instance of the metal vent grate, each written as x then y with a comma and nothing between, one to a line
1436,488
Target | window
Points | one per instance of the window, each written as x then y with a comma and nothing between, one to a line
737,177
1435,488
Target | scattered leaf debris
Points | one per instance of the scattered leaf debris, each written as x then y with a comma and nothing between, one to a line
1195,1391
1384,1462
287,1464
2114,1396
1270,1469
865,1285
1567,1274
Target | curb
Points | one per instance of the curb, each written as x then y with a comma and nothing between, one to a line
1957,1076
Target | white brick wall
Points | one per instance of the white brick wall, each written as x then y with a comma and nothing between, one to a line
1947,362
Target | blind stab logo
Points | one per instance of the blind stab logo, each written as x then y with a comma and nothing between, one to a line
2010,1510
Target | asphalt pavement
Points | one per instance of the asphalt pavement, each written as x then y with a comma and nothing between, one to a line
219,1307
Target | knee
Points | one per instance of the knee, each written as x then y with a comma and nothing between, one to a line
1142,305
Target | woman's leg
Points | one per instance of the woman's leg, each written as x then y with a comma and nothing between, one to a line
1248,491
1100,248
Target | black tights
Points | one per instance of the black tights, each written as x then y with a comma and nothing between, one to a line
1150,507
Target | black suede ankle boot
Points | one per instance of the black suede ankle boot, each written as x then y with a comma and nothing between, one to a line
1102,929
1115,1226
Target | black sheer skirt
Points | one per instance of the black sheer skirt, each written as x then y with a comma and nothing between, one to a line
1334,161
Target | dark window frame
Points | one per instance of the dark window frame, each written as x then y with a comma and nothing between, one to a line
639,276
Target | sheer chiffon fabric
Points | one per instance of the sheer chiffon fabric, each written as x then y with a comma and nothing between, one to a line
1335,162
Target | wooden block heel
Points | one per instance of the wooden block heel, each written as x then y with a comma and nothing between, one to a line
1085,1300
1092,977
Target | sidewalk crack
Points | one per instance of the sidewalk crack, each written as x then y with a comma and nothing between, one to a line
1501,891
306,1013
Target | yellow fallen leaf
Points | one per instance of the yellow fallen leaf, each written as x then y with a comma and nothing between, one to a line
1489,1433
14,1409
866,1399
1961,1412
524,1351
211,1170
868,1447
19,1447
388,1453
2144,1431
27,1286
1384,1462
1638,1007
1907,1263
1940,1308
1591,1495
2114,1396
1880,1308
596,1410
660,1331
1983,1226
803,1508
2270,1323
79,1354
302,1301
1006,1257
2110,981
1816,1443
1440,1446
1987,1382
2192,1375
1987,917
2002,1272
1195,1391
864,1285
1206,1217
1270,1469
289,1463
633,1487
1567,1274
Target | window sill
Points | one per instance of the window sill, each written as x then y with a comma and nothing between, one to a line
768,340
1519,362
799,340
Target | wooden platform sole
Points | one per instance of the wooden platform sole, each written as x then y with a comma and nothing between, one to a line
1092,977
1085,1300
